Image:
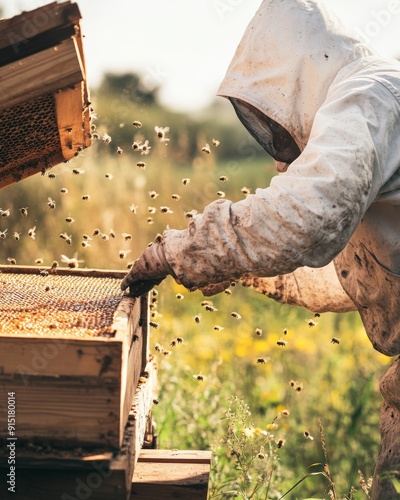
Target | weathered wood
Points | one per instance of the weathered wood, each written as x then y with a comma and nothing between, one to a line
75,474
171,474
65,271
48,71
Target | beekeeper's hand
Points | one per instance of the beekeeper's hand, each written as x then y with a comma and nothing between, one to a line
150,269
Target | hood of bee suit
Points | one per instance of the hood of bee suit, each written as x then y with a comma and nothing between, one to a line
288,57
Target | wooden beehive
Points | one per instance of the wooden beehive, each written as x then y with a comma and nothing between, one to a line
44,99
72,348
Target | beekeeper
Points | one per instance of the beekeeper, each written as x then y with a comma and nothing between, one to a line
325,234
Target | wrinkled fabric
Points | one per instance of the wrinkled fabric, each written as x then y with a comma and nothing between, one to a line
340,102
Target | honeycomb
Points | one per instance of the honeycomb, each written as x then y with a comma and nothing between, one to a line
55,305
28,136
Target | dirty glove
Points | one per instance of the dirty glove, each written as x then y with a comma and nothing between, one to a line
150,269
214,288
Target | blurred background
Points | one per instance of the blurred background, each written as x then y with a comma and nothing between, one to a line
297,407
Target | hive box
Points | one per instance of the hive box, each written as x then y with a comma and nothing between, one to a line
72,350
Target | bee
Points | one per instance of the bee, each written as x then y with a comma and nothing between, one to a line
245,190
126,236
16,236
39,262
179,340
154,293
145,148
108,176
54,266
104,237
64,236
221,194
119,151
11,260
70,220
51,203
95,136
133,208
299,387
136,145
51,175
258,332
292,383
172,343
24,211
285,413
175,197
281,443
5,213
153,194
96,232
155,401
167,353
191,214
141,164
135,338
311,323
285,331
185,181
158,239
211,308
112,233
236,315
317,315
281,343
218,328
307,435
153,324
123,253
261,456
179,296
150,220
158,348
199,377
262,361
197,319
47,288
73,263
223,178
68,240
44,273
86,197
151,210
85,244
64,191
78,171
137,124
166,210
129,265
32,232
206,149
106,139
206,303
161,131
335,340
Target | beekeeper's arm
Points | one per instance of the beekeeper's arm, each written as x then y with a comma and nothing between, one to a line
307,214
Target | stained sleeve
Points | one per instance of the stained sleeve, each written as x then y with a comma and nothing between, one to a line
307,215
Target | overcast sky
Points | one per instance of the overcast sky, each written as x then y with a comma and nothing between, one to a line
185,46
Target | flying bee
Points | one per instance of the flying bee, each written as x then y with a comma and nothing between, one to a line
311,323
51,175
158,347
104,237
137,124
78,171
24,211
16,236
151,210
112,233
158,239
86,237
191,214
215,142
172,343
179,340
218,328
141,164
185,181
227,291
86,197
11,260
262,361
108,176
106,139
223,178
281,343
245,190
211,308
166,210
317,315
281,443
179,296
175,197
155,401
85,244
285,331
64,191
96,232
136,145
236,315
161,131
39,262
44,273
258,332
73,263
153,324
145,148
197,319
206,303
307,435
119,151
167,353
133,208
199,377
54,266
150,220
70,220
221,194
51,203
206,149
123,253
5,213
285,413
64,236
126,236
32,232
335,340
153,194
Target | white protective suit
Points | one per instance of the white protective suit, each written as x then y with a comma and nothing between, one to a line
336,201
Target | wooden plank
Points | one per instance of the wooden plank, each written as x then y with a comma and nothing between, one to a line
65,271
176,456
36,30
47,71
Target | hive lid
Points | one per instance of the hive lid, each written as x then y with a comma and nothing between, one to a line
44,97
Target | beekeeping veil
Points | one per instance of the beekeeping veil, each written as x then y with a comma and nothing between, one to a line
280,74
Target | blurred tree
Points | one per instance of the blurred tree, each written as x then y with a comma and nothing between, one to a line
131,85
